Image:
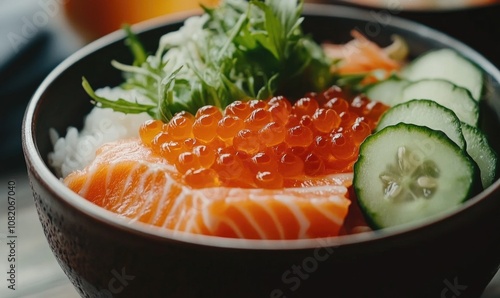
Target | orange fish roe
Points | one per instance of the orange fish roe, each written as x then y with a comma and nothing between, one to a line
265,144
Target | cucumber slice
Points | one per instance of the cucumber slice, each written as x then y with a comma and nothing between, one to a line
387,91
446,94
481,152
448,65
406,173
425,113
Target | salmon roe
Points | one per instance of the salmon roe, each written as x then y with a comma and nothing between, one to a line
265,143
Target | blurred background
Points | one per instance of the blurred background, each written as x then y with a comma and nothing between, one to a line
36,35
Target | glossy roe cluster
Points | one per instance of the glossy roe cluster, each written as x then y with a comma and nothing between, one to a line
265,144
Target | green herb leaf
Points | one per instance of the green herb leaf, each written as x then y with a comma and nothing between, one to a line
236,51
120,105
135,46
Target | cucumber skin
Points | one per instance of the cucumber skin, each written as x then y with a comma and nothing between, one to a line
454,88
484,141
482,89
371,217
431,104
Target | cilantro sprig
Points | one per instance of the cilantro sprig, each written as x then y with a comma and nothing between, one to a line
236,51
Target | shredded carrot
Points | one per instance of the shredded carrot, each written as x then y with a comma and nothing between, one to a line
359,56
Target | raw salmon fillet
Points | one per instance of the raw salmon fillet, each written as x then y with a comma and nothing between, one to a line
129,179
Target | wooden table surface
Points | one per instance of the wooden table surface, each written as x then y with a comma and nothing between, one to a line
38,273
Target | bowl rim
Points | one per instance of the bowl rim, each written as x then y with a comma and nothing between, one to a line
40,171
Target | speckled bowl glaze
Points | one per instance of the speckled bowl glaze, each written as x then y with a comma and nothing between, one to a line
455,254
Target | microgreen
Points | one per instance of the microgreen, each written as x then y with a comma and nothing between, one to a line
236,51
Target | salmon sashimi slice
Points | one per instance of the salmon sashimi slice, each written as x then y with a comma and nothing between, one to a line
127,178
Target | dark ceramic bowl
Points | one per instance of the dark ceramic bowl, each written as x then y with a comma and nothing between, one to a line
453,255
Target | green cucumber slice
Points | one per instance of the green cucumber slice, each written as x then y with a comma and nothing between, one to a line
482,153
446,94
448,65
406,173
425,113
387,91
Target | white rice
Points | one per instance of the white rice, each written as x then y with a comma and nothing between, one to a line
77,149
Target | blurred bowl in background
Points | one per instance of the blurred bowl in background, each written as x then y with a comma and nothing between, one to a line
96,18
421,5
